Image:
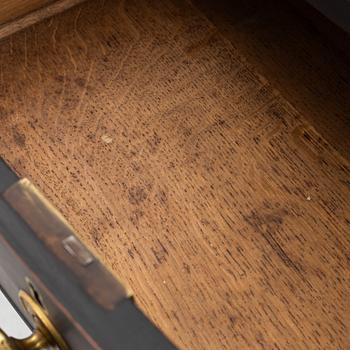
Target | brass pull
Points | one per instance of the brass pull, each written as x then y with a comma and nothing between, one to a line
45,335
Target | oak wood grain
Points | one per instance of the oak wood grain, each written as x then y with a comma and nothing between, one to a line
11,9
220,203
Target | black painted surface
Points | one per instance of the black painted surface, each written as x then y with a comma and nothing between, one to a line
7,176
336,10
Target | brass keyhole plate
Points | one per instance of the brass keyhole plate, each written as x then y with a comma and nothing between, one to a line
45,334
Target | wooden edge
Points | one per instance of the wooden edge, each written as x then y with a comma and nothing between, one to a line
59,237
18,24
13,9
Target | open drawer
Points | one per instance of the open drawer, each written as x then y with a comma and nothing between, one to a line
201,150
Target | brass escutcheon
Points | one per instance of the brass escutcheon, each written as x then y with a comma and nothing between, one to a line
45,335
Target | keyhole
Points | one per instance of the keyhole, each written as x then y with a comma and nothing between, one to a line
34,293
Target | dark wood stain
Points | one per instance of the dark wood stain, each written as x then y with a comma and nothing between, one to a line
19,138
137,195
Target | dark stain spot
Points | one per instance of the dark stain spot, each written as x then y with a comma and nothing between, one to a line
160,253
307,136
171,165
277,113
19,138
260,340
162,197
221,122
4,113
232,319
267,223
137,195
72,203
256,139
81,82
205,221
70,102
154,142
131,253
95,235
135,166
59,78
187,268
135,216
187,132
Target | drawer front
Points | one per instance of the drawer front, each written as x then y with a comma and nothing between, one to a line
42,259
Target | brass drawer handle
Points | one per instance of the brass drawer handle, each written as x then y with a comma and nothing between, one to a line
44,336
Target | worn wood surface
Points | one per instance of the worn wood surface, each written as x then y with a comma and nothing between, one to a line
33,14
223,206
11,9
310,71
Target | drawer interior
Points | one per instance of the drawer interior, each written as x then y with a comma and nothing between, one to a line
203,154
